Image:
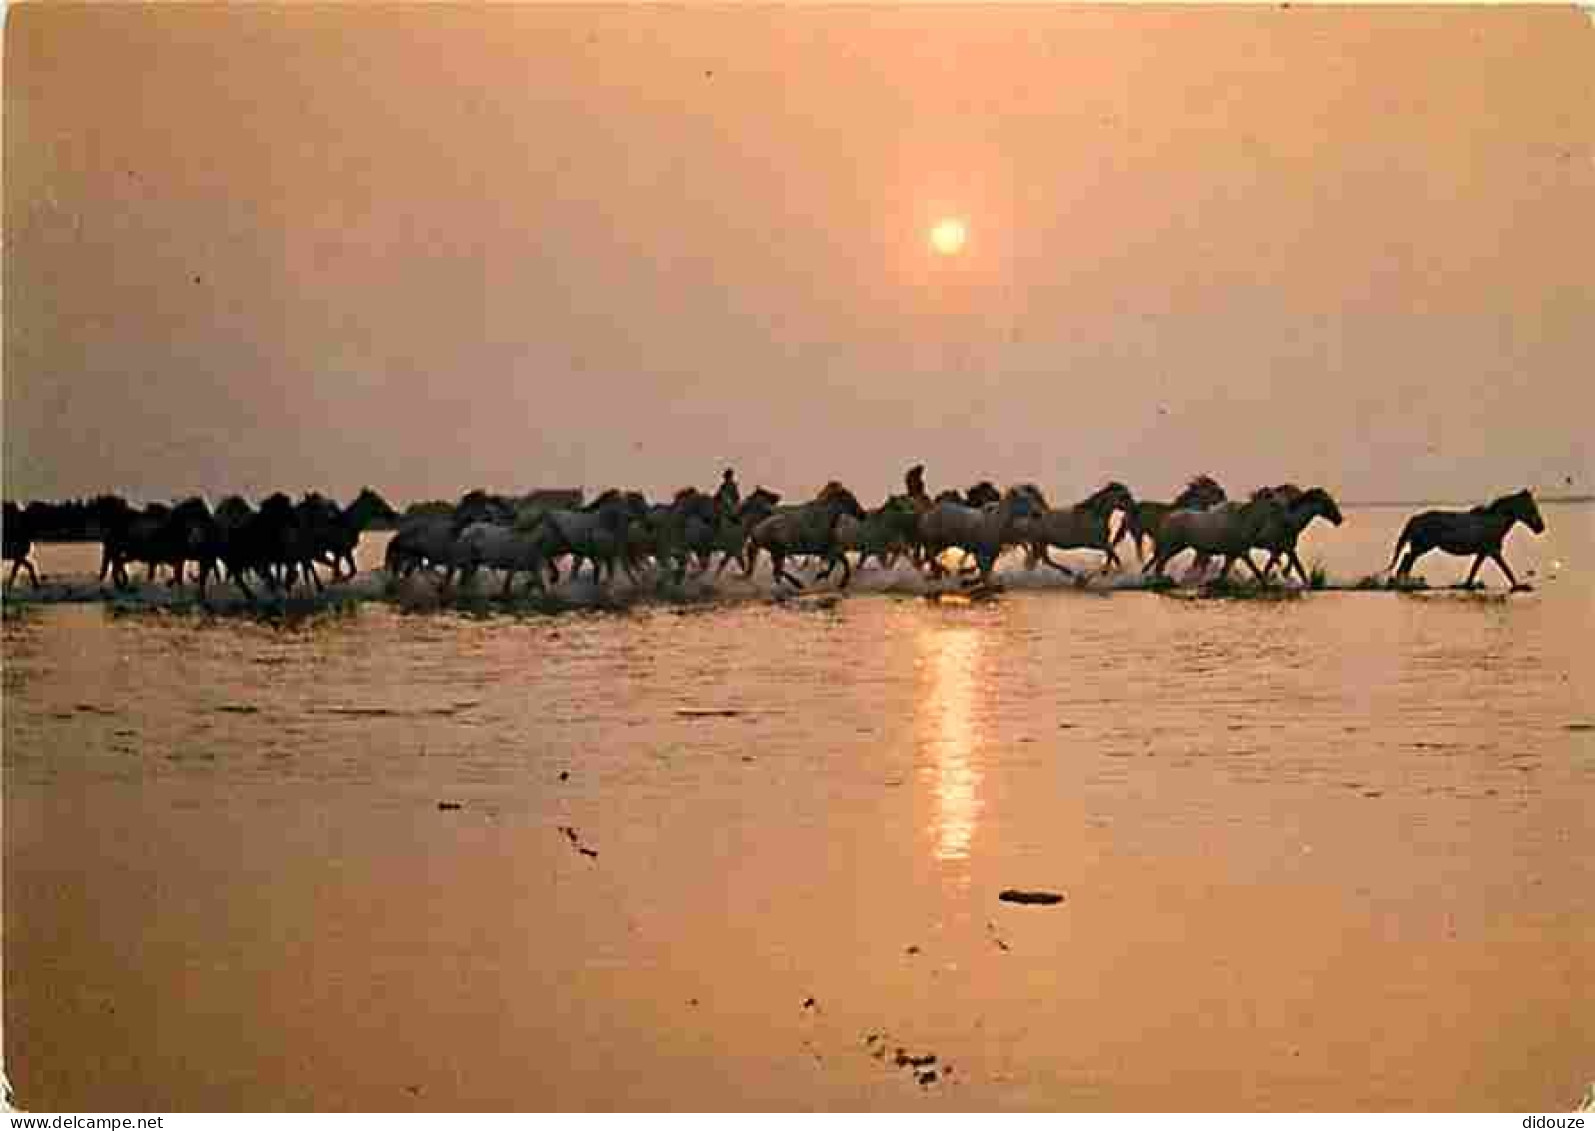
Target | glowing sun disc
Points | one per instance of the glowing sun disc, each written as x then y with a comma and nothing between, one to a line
948,236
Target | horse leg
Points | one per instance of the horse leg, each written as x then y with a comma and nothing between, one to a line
847,570
1246,557
1044,554
1295,561
778,562
1506,569
12,579
1413,554
1474,572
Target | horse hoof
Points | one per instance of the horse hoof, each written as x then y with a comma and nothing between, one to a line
1522,587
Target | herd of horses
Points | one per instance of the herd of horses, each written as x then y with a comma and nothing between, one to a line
281,544
278,544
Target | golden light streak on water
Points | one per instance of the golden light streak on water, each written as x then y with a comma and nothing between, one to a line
952,655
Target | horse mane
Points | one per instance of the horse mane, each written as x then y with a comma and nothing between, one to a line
1104,494
950,495
982,493
1506,504
1199,490
1034,492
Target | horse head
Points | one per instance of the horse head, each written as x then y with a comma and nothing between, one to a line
839,501
1112,496
636,504
604,499
1321,502
1201,492
370,505
1522,507
692,503
277,507
1022,501
232,510
982,493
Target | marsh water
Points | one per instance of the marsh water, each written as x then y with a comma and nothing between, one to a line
1325,853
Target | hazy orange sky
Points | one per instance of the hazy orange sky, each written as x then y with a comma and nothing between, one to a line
439,247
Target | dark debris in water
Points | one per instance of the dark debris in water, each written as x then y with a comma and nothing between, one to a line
576,842
925,1068
1018,895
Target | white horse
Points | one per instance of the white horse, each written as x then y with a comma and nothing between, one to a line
1230,529
983,531
806,529
1082,526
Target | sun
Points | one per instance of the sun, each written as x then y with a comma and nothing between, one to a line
949,236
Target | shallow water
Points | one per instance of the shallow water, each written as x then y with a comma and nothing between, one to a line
1326,853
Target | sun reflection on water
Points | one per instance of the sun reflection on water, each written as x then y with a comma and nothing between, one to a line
951,657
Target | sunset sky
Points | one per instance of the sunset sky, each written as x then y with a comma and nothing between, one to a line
431,248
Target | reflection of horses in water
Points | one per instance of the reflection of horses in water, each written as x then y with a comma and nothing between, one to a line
18,540
1479,532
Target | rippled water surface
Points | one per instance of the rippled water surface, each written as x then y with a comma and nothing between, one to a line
1332,852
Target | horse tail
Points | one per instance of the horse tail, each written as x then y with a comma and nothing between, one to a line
1401,543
